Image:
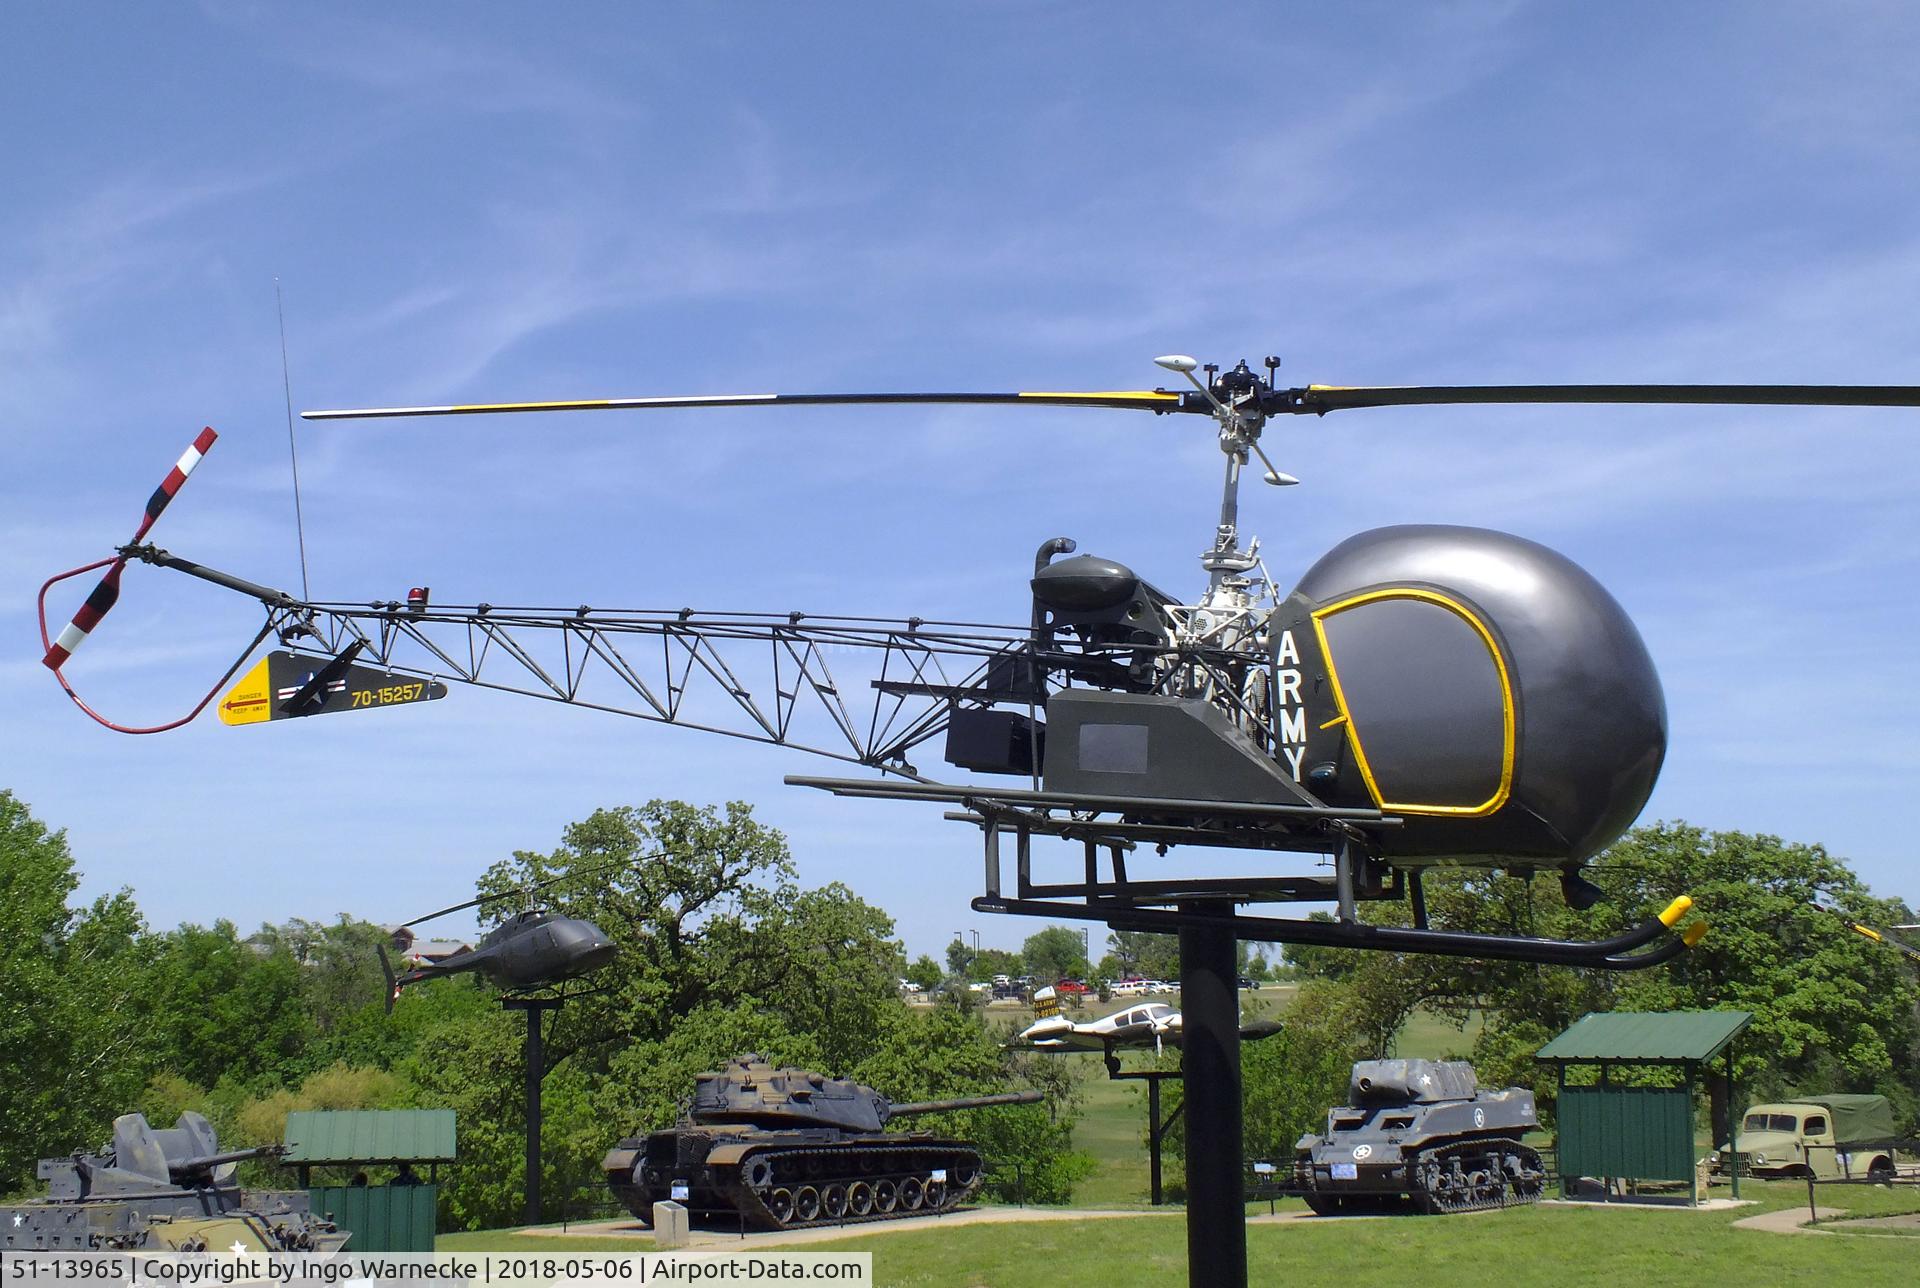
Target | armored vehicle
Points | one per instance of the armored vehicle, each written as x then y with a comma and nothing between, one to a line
170,1190
777,1148
1421,1132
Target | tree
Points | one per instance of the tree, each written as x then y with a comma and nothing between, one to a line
1140,952
1290,1080
340,977
945,1052
223,1008
989,962
704,909
74,1047
925,972
1832,1010
1055,953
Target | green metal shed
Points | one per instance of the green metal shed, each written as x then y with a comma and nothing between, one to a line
398,1216
1610,1129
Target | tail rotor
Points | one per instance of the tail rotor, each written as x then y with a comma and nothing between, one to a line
107,593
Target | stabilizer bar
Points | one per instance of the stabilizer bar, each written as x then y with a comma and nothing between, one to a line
1616,953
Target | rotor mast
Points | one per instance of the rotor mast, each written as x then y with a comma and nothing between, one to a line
1236,401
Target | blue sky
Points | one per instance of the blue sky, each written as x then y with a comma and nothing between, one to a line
507,201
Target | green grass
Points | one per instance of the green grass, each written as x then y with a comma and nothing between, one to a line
1428,1036
1548,1246
1543,1245
1112,1128
1113,1121
508,1241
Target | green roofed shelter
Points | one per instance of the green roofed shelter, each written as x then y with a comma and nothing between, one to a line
356,1137
1645,1037
398,1216
1625,1129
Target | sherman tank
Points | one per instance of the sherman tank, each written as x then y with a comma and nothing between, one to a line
167,1190
1421,1133
779,1148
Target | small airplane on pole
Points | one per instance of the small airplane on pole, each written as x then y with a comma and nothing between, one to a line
1153,1024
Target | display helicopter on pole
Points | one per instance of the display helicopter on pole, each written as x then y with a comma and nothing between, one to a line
1423,695
532,949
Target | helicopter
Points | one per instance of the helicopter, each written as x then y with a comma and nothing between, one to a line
530,950
1423,695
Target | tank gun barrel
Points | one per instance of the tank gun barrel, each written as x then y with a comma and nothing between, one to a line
966,1102
177,1168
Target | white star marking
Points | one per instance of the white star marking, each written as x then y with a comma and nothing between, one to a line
238,1248
19,1218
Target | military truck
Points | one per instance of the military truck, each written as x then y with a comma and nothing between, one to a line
1825,1136
1421,1133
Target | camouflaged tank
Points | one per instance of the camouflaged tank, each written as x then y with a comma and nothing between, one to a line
170,1190
1421,1132
776,1148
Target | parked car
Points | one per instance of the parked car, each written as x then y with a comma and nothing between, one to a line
1131,987
1071,986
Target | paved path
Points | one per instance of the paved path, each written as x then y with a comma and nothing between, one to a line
1659,1202
1791,1220
858,1229
1911,1221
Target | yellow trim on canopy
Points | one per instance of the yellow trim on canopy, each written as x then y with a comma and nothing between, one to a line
1508,722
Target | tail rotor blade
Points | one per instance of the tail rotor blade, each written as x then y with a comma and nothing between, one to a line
107,593
104,597
176,478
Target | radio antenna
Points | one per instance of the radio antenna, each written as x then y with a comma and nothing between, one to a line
286,385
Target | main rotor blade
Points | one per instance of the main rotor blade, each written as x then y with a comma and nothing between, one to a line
1317,399
1155,400
521,891
458,907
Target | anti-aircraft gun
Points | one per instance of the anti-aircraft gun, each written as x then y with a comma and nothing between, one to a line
1421,1131
172,1189
778,1148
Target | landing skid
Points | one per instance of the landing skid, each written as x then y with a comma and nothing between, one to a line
1115,825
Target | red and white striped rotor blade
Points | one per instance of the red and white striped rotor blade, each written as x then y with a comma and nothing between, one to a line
176,478
107,593
104,596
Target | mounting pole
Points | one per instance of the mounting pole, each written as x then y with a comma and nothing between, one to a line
535,1007
1157,1126
1210,1063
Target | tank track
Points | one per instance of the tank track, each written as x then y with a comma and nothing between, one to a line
1475,1176
781,1188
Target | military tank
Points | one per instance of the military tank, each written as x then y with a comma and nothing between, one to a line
166,1190
1421,1133
780,1148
